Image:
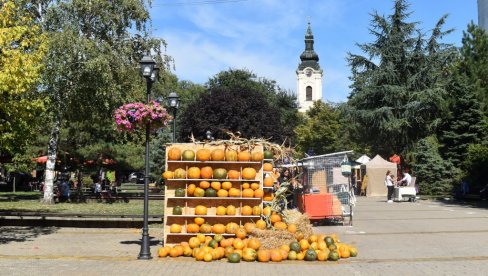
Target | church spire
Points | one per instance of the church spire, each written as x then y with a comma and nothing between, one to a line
309,58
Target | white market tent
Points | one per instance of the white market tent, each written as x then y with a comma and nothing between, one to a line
376,172
363,159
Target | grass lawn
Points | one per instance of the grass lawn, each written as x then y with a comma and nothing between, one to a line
133,207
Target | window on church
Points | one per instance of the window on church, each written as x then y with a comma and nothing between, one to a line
308,93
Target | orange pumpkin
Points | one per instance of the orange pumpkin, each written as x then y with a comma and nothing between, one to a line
175,228
280,225
246,185
241,233
268,196
276,255
254,244
206,172
231,210
256,210
234,192
203,155
249,173
231,228
205,228
244,156
222,193
263,255
249,226
217,155
259,193
246,210
268,181
255,186
168,175
274,218
230,155
204,184
226,185
292,228
247,193
267,210
221,211
267,167
257,156
233,174
190,190
192,228
193,172
261,224
238,243
199,221
218,228
200,210
174,153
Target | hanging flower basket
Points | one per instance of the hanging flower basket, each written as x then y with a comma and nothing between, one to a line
134,116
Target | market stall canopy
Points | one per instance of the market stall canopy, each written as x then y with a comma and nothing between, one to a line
376,170
41,159
363,159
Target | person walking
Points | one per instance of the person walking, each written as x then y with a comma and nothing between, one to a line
389,185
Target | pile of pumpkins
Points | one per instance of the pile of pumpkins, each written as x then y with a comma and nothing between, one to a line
206,248
217,154
220,189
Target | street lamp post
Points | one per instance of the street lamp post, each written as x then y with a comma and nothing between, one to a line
174,103
149,70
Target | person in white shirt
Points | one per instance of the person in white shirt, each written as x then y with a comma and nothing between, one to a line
390,185
406,180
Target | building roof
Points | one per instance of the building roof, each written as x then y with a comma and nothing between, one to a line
309,58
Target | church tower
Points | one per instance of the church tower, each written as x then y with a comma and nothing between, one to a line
309,75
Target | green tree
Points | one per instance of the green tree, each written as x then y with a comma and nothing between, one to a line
22,48
464,125
435,175
319,133
238,101
398,88
475,165
91,69
474,61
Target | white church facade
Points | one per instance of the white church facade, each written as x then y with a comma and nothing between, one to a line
309,75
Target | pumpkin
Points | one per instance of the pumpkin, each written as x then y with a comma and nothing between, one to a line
205,228
268,196
177,210
292,255
226,185
193,172
246,210
241,233
180,192
218,228
275,218
234,258
174,153
221,211
267,167
192,228
233,174
204,184
216,185
213,244
203,155
249,173
234,192
268,154
263,255
180,173
255,185
353,251
310,255
295,246
206,172
175,228
247,193
256,210
168,175
249,226
231,228
246,185
220,173
249,254
199,221
257,156
261,224
280,225
210,192
231,210
333,255
222,193
217,155
276,255
230,155
188,155
244,156
200,210
292,228
199,192
238,243
254,243
268,181
190,190
259,193
207,257
267,211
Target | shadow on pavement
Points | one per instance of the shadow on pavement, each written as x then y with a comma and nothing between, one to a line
152,241
471,203
10,234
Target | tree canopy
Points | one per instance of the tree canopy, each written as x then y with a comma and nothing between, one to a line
398,87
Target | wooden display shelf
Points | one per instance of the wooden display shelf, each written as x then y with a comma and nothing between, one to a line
188,204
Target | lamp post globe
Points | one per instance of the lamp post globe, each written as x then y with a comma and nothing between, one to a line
149,71
174,104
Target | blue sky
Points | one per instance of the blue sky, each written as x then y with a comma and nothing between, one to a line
267,36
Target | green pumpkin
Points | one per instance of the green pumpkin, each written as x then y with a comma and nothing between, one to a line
220,173
180,192
329,240
213,243
268,154
310,255
234,258
295,246
333,255
210,192
177,210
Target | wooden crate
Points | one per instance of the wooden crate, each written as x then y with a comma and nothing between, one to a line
188,204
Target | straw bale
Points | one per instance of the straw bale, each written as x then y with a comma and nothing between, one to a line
300,220
272,238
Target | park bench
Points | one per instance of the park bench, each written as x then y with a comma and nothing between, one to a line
130,190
